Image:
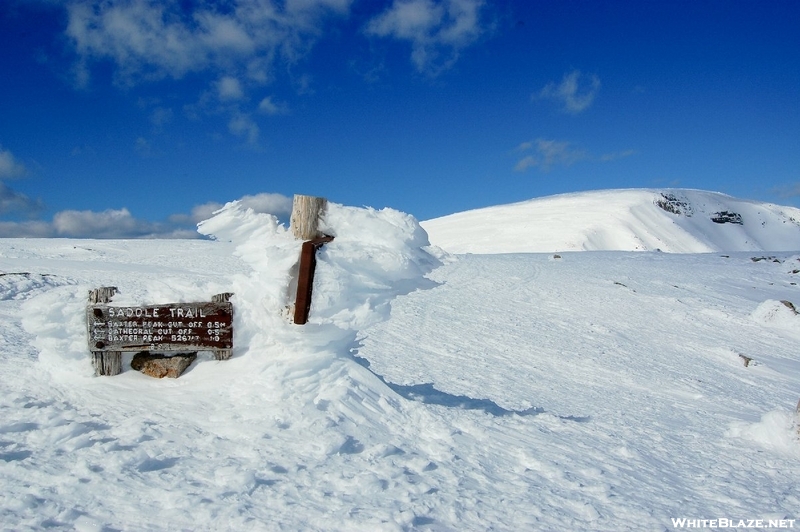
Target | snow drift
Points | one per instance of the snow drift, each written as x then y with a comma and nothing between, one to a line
670,220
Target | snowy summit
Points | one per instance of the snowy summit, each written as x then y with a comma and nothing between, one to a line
429,391
670,220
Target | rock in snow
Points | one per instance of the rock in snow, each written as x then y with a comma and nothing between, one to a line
160,366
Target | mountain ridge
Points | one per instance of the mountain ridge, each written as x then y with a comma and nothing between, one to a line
672,220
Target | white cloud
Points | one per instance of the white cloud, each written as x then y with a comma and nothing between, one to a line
120,223
198,214
90,224
269,107
433,28
161,116
113,223
276,204
229,88
152,39
549,153
413,20
569,93
242,125
106,224
143,147
138,35
31,229
529,161
9,167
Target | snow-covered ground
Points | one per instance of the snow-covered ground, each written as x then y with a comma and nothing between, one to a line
525,391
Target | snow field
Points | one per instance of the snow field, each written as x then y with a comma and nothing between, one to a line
638,364
596,391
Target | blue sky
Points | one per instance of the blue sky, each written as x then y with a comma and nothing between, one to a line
128,118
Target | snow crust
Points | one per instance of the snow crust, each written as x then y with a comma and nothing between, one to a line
584,391
624,220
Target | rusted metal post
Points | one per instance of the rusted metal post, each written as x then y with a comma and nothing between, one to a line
305,278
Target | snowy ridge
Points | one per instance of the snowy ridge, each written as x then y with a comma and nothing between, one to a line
670,220
598,391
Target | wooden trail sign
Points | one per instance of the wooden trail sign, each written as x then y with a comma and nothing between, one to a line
201,326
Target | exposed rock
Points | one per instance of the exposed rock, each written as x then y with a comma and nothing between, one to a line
727,217
671,203
789,305
159,366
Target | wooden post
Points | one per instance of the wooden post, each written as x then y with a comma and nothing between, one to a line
105,362
306,212
222,354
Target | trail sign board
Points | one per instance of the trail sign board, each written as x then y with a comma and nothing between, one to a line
171,327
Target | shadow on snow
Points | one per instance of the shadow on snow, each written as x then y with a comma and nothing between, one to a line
429,395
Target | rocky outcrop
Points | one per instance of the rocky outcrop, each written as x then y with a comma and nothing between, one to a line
727,217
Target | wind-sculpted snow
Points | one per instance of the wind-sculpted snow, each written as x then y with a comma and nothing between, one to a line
376,256
23,285
669,220
584,391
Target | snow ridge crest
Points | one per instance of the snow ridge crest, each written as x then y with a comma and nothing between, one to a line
669,220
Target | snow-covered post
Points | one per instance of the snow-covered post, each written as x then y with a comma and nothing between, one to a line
222,354
306,212
104,362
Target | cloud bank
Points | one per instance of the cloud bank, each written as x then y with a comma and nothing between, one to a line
120,223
